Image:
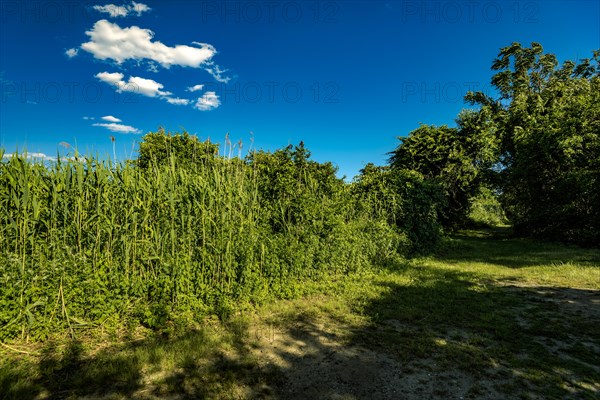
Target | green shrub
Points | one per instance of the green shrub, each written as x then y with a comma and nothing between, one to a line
486,210
86,243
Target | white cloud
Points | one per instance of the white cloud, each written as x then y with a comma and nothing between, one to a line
177,101
135,84
122,11
119,128
109,41
139,8
217,72
31,156
114,78
89,118
113,10
194,88
209,101
71,52
110,118
147,87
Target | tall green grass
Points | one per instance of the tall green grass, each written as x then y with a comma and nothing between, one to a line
87,243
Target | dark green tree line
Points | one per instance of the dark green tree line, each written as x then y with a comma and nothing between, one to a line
536,145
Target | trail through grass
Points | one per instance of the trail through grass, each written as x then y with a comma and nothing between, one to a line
487,317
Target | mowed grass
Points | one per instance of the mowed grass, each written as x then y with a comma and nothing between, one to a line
509,318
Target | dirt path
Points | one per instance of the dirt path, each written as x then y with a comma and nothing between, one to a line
316,361
317,364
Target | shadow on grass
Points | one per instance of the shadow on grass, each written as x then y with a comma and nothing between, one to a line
519,342
196,365
497,246
446,335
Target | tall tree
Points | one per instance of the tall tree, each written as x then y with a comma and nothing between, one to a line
456,158
548,121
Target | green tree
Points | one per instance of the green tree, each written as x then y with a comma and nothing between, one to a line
293,187
157,148
458,159
548,122
404,199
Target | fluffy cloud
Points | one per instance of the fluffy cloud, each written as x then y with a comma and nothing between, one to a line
119,128
112,78
109,41
110,118
177,101
194,88
135,84
71,52
209,101
123,11
147,87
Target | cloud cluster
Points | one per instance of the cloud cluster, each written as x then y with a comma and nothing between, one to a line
150,88
122,11
135,84
42,157
108,41
113,124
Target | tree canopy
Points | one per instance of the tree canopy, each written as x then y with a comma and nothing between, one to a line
536,144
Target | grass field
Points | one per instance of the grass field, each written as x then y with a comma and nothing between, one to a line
488,316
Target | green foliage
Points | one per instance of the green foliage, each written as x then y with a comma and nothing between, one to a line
157,148
548,120
405,200
183,232
537,145
455,158
485,209
85,243
296,191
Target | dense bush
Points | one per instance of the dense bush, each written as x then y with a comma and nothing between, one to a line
405,199
157,148
85,242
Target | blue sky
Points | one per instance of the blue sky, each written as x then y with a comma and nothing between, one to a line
345,77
